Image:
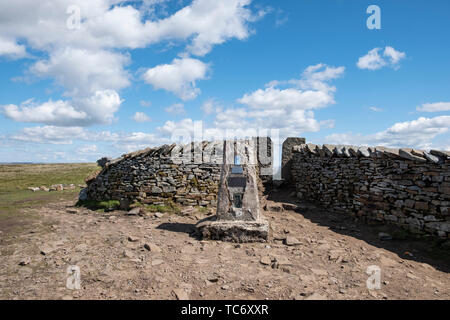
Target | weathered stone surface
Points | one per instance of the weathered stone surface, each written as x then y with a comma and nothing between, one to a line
288,144
238,216
439,153
152,247
379,184
134,211
187,175
404,153
103,161
180,294
83,196
431,157
235,231
291,241
266,260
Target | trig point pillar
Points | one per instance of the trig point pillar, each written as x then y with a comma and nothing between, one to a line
238,216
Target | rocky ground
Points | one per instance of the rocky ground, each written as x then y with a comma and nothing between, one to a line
312,254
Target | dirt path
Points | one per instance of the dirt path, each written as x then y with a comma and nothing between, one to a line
134,257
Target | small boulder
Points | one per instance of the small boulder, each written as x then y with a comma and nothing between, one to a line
133,239
152,247
316,296
180,294
134,211
159,214
265,260
25,261
291,241
83,196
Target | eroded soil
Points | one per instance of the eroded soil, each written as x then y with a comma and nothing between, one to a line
146,257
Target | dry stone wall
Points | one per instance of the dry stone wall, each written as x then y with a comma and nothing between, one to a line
186,175
406,187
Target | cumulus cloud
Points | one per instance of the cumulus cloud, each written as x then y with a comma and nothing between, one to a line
288,109
141,117
373,60
287,105
50,134
125,141
434,107
89,148
210,106
11,49
98,108
208,23
418,133
83,72
92,58
179,77
118,24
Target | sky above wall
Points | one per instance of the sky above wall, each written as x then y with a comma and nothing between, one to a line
83,79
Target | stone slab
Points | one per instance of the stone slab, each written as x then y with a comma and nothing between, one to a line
234,231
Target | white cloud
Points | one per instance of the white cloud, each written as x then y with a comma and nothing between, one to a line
208,23
394,55
176,109
210,106
178,77
170,126
68,135
291,98
83,72
374,61
288,109
50,134
98,108
117,24
11,49
141,117
92,58
376,109
232,118
434,107
52,112
89,148
417,133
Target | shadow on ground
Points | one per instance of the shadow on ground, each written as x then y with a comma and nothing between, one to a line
179,227
428,251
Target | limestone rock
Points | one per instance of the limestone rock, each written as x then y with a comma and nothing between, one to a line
291,241
180,294
152,247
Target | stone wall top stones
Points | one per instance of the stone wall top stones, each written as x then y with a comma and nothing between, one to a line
433,156
407,187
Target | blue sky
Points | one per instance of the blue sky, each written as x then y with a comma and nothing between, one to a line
85,79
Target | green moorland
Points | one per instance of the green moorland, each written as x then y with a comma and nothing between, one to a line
16,178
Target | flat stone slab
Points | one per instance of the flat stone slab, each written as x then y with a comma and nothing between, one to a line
235,231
